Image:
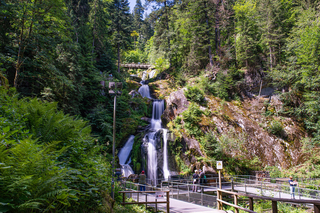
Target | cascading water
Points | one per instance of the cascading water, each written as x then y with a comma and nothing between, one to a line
151,74
144,90
150,137
157,110
144,75
124,157
166,172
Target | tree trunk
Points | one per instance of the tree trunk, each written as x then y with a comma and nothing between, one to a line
18,65
94,29
167,21
208,34
217,30
118,57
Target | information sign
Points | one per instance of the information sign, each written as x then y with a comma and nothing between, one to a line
219,165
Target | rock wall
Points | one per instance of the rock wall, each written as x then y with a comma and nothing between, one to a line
246,123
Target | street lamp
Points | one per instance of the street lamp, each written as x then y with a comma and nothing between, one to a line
114,89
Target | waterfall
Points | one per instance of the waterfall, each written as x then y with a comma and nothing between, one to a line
151,74
144,75
157,110
166,172
151,138
152,158
144,90
124,159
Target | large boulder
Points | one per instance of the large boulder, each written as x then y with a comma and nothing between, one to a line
176,103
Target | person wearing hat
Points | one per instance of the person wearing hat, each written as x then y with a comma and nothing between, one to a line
195,177
293,185
142,181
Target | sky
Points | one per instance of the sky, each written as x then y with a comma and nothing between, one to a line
133,3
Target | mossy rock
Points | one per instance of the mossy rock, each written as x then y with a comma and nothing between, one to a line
133,85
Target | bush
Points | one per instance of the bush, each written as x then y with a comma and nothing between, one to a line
277,129
161,64
192,118
48,160
194,94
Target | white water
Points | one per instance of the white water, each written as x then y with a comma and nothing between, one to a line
145,91
157,111
166,172
151,74
144,75
124,155
152,159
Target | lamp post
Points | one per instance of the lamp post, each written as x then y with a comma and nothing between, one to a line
114,89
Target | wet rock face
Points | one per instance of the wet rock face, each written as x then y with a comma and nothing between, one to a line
176,103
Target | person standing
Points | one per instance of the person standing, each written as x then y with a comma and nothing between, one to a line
195,177
293,185
142,181
201,177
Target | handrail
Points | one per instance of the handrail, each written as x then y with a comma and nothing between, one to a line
220,201
146,202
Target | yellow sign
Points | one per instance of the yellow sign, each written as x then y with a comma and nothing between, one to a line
219,165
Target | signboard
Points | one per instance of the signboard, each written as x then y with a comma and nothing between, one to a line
159,195
219,164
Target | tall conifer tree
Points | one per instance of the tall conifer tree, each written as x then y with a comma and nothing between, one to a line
121,25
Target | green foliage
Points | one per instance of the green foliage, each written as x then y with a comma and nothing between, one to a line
276,128
136,154
194,94
48,160
161,64
134,56
211,146
192,118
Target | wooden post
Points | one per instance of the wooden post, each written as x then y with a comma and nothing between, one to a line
274,207
123,198
236,203
168,207
220,179
232,185
146,200
251,203
156,205
316,208
218,197
188,192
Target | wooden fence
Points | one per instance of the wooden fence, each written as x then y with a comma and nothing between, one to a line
220,201
146,202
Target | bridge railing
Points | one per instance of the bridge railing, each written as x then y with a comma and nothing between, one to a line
220,201
278,189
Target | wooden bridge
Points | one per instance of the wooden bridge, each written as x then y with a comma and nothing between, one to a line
136,66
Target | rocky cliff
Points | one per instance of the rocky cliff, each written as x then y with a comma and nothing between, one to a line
250,129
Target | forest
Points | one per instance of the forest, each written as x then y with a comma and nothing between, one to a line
56,116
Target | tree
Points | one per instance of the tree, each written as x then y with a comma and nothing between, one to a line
121,25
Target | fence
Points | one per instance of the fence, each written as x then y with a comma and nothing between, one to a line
182,189
315,203
146,202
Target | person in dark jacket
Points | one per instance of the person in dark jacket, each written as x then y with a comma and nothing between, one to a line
293,185
195,180
201,177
